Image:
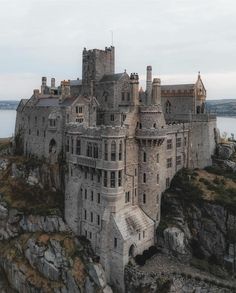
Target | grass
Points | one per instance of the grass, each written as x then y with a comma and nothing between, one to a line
4,143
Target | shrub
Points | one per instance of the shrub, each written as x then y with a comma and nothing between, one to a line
140,260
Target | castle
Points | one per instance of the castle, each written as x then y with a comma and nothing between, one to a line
122,147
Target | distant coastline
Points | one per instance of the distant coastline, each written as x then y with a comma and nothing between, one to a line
222,108
8,105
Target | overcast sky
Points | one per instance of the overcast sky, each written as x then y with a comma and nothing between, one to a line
177,37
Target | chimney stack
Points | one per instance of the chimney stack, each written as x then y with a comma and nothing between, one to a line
149,85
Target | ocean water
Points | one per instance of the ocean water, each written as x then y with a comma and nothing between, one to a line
7,123
8,117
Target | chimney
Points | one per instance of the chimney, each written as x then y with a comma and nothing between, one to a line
149,85
156,91
53,82
134,88
44,84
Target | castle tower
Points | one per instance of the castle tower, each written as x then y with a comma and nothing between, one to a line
97,63
53,82
134,88
149,85
156,91
65,90
200,94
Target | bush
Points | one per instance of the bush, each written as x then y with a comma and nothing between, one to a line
152,250
196,249
140,260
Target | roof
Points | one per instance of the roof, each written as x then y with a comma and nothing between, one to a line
176,87
47,102
76,82
111,77
132,221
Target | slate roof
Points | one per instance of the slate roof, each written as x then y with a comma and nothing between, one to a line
132,221
176,87
111,77
47,102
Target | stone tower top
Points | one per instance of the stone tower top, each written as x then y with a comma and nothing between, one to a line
97,63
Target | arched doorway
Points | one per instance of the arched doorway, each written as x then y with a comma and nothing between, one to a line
131,251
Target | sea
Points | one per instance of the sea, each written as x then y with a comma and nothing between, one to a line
226,125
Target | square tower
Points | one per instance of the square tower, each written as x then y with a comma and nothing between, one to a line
97,63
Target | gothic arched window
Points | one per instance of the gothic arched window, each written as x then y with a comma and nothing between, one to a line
168,107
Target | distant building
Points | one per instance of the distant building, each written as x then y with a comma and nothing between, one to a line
122,146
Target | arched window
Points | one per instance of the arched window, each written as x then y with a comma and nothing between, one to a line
113,151
78,146
52,146
120,151
154,125
168,107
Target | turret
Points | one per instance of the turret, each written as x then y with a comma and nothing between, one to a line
53,82
156,91
149,85
134,88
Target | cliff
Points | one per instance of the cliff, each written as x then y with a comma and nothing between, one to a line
38,251
196,238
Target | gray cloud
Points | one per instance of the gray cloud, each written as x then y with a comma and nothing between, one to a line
177,37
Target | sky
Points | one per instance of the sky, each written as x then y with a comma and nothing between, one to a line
177,37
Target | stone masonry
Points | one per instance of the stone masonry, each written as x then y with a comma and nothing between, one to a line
122,147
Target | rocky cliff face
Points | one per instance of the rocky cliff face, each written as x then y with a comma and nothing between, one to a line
38,251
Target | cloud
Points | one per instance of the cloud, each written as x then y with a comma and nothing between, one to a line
177,37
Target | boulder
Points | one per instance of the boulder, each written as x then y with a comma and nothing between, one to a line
175,240
225,150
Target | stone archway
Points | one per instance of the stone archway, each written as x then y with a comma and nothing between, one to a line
132,251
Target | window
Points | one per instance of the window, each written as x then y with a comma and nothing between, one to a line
99,176
144,198
168,107
29,131
98,220
178,160
89,149
85,193
144,177
122,96
80,109
105,179
158,179
123,117
120,178
144,157
115,242
135,192
91,217
120,151
167,182
91,174
72,145
135,172
185,141
44,133
37,132
128,96
95,150
35,120
127,197
112,118
113,179
105,151
91,195
67,118
169,144
85,214
77,109
90,235
158,158
178,142
169,163
99,198
143,234
85,175
113,151
78,147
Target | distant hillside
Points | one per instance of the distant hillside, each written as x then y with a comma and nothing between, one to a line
8,105
224,107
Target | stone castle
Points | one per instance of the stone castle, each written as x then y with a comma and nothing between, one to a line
122,147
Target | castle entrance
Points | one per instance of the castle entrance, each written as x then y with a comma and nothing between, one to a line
131,251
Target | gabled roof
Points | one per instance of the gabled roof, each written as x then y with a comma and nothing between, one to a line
111,77
47,102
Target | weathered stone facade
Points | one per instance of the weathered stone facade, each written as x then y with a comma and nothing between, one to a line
122,148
